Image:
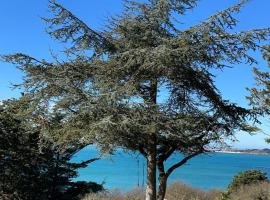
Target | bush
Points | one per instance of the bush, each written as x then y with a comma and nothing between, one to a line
180,191
135,194
257,191
246,178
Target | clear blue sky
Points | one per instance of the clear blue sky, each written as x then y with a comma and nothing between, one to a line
22,30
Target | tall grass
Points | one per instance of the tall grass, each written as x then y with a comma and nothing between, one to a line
176,191
179,191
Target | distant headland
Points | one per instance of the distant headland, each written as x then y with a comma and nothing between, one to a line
245,151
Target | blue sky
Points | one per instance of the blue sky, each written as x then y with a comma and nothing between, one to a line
22,30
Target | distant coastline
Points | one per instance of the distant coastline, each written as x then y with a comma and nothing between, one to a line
244,151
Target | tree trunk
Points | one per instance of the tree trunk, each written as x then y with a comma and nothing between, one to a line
151,174
151,193
162,178
162,187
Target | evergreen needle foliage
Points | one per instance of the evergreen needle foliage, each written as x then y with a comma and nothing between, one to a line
251,178
259,96
246,178
142,83
29,171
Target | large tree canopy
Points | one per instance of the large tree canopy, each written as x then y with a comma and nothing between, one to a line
142,83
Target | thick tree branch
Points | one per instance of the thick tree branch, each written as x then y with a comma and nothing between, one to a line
142,151
182,162
85,163
163,157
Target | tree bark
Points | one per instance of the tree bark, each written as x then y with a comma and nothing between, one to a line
163,175
151,174
162,187
162,178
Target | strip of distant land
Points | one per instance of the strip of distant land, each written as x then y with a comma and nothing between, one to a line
245,151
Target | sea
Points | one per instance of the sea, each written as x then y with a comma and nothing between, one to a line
125,171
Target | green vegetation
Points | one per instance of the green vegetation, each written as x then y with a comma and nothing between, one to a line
259,96
255,180
248,185
247,178
32,168
107,90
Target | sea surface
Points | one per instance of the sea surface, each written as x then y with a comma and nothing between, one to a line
126,171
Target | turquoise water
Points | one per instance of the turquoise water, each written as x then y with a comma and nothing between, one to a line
126,171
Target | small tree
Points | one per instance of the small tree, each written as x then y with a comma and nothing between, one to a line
29,171
143,84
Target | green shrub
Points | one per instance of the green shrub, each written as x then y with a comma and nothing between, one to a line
243,179
247,178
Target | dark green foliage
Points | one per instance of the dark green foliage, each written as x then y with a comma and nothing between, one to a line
142,84
246,178
80,188
31,171
18,160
